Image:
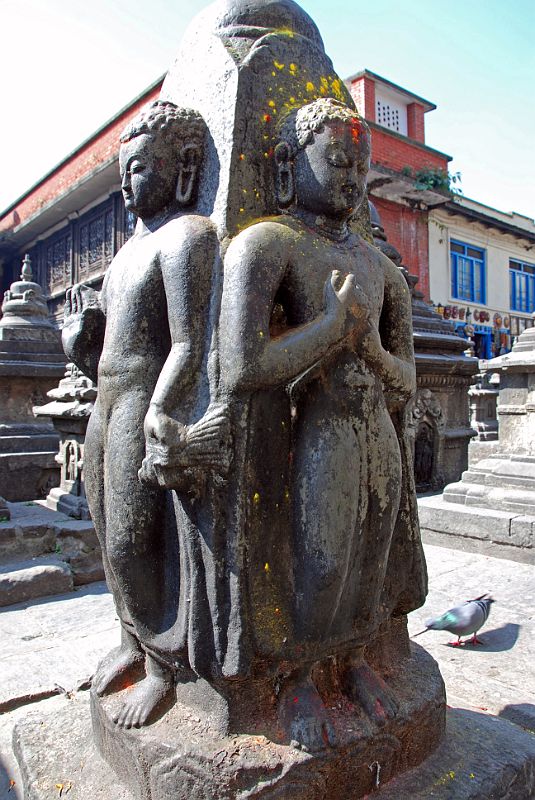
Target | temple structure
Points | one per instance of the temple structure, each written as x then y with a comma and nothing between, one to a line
31,361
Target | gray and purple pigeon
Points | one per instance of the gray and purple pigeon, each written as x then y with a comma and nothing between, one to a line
462,620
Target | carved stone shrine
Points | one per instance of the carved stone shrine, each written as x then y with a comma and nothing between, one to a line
494,502
31,362
70,407
248,463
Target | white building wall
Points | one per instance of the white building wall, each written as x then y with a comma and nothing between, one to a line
499,248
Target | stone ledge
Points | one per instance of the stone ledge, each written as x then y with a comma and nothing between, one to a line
511,535
481,758
28,580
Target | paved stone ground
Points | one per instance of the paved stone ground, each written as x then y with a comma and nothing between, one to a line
50,648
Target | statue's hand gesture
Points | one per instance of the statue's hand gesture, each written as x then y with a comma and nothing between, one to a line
80,299
83,321
346,303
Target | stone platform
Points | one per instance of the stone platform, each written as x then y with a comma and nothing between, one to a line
502,533
481,758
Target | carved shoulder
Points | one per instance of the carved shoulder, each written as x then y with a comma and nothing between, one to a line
265,242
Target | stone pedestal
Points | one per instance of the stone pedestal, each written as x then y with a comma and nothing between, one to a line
69,409
481,757
501,487
31,362
212,745
438,415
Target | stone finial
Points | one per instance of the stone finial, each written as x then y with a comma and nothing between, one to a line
26,272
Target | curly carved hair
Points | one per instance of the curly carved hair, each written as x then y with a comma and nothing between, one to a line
165,119
298,127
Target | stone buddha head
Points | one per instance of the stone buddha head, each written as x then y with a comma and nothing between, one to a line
322,159
160,158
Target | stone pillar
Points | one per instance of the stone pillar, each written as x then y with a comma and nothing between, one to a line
70,406
31,362
494,501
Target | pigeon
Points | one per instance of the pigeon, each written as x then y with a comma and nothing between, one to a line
462,620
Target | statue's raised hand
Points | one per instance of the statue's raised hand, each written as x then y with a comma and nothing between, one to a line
83,328
346,303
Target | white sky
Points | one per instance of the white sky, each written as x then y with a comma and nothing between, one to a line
69,65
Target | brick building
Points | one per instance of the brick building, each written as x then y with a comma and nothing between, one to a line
407,177
73,220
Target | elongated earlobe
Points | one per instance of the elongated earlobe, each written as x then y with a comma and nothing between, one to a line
187,175
285,177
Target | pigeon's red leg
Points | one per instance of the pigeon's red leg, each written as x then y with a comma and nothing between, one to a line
458,643
475,640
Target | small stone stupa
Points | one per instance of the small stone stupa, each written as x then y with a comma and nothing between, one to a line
495,500
31,362
439,418
70,407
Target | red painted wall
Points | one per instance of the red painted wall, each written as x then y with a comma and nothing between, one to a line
407,230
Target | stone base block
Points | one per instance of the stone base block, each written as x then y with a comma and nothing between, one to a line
504,534
184,756
480,758
27,476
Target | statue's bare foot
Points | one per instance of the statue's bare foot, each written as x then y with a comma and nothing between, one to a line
303,716
119,669
363,686
142,701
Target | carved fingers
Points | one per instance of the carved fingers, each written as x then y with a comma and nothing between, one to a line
172,449
345,300
79,298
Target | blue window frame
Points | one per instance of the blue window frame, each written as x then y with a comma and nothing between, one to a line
522,282
468,273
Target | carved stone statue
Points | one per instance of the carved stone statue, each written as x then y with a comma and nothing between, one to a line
345,340
247,462
146,338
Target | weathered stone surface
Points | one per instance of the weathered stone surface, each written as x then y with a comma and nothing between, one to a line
27,580
183,756
31,361
35,530
504,480
56,753
248,462
480,758
53,645
70,406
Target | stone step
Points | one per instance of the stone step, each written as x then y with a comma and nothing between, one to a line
29,580
34,530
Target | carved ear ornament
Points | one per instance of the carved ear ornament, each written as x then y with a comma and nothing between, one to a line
185,185
285,177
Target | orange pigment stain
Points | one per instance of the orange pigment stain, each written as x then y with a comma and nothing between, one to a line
242,156
267,118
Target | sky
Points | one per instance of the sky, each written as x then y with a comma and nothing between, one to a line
67,66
